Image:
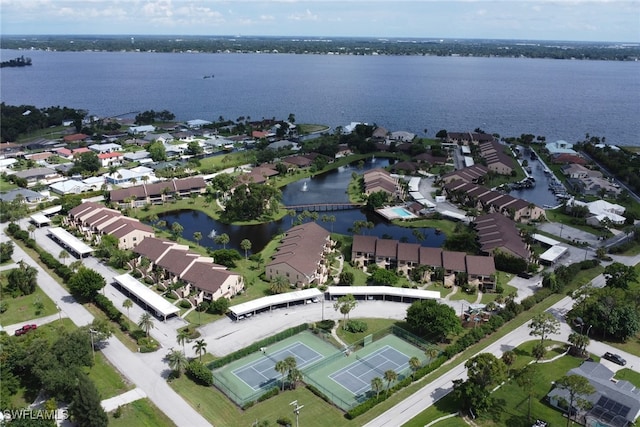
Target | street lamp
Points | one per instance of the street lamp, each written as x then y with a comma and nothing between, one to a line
91,332
588,329
296,410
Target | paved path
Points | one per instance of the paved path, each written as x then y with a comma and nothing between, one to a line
144,370
11,329
122,399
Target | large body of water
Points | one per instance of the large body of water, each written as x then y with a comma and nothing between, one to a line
558,99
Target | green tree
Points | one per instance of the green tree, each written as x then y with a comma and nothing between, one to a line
383,277
86,282
278,284
579,342
282,368
577,386
177,361
543,325
509,357
23,279
85,408
222,239
200,348
347,278
6,250
433,318
219,306
414,365
526,380
127,303
486,370
197,236
245,245
345,304
194,148
377,385
618,275
64,255
146,323
182,337
157,151
101,330
87,162
390,376
176,230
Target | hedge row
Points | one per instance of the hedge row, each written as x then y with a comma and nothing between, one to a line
256,346
199,373
107,307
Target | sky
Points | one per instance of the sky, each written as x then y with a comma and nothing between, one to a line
571,20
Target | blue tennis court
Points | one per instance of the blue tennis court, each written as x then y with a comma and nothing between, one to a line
357,376
261,373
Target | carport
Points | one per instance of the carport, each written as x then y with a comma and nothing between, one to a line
383,293
160,306
70,242
553,254
285,300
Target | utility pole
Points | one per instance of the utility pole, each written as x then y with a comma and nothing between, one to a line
91,332
296,410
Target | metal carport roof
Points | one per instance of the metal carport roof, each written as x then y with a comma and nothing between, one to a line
154,301
382,291
70,241
273,300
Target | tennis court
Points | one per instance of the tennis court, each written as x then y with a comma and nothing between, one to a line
357,376
261,373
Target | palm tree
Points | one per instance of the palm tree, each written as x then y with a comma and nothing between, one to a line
377,385
432,352
63,256
222,239
182,338
579,341
197,236
278,284
200,347
414,364
390,376
282,368
127,304
246,245
146,323
177,361
32,229
293,377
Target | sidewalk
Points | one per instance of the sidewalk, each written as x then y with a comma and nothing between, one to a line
122,399
11,329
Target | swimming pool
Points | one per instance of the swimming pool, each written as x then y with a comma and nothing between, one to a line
401,212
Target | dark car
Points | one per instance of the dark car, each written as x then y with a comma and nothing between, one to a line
615,358
25,329
525,275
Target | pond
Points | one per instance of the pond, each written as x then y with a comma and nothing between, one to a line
329,187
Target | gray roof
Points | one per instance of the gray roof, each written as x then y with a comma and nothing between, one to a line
35,172
29,195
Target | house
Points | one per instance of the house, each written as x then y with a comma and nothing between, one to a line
198,123
568,158
594,186
601,210
469,174
26,195
402,136
301,256
39,157
379,180
257,175
6,164
162,137
497,232
37,174
202,279
110,159
105,148
497,160
559,147
140,130
133,175
577,171
76,137
615,403
69,186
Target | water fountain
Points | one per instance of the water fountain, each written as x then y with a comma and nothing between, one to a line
304,186
212,234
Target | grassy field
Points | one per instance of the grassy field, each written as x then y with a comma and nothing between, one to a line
630,375
22,308
374,325
107,379
141,413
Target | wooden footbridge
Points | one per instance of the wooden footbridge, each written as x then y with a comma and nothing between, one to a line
324,207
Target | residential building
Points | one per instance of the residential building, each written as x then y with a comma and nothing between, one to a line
497,159
26,195
497,232
577,171
158,193
601,210
35,175
615,403
141,130
559,147
200,277
301,256
376,180
69,186
473,173
111,159
105,148
405,257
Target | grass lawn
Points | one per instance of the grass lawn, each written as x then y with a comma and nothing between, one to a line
141,413
627,374
21,309
512,400
374,325
107,379
5,185
220,411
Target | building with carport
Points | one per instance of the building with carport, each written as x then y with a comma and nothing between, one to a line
382,293
269,303
553,254
146,297
70,242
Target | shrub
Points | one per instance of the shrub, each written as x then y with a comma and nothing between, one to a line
199,373
356,326
272,392
326,325
284,421
185,303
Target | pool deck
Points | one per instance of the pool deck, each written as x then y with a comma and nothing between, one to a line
392,213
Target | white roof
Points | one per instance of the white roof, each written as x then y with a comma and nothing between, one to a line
465,149
270,301
544,239
454,215
40,219
383,290
51,210
416,195
414,184
426,202
198,122
468,161
69,186
553,253
72,242
160,305
93,180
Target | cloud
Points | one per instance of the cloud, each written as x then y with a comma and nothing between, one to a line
305,16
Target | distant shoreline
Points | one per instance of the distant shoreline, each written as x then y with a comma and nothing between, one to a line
607,51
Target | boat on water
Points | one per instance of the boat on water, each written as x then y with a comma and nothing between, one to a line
209,76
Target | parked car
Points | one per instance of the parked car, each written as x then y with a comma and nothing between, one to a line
540,423
525,275
615,358
25,329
